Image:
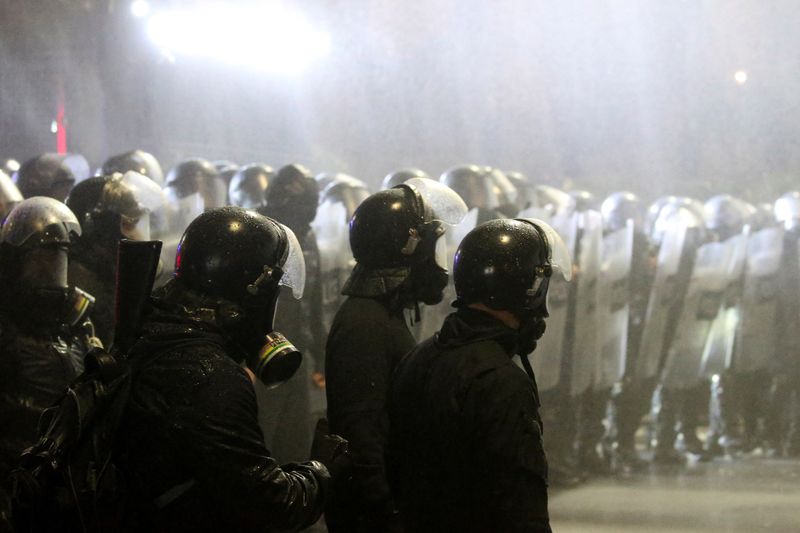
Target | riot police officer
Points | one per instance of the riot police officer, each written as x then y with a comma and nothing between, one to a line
286,418
630,397
109,208
465,446
395,236
190,445
44,330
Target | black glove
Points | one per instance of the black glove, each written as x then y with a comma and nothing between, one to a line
331,451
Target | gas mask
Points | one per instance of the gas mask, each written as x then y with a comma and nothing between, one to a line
531,318
429,276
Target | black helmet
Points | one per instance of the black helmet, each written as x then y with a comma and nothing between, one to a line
726,215
292,198
248,186
235,259
506,264
620,207
45,175
196,177
471,183
396,229
35,237
112,207
237,255
139,161
399,176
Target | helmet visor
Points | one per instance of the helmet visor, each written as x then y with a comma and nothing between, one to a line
294,266
49,220
441,202
559,256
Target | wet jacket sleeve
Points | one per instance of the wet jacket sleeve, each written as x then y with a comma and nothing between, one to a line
33,376
503,410
217,422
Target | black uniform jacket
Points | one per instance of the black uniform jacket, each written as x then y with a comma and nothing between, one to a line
366,341
465,443
37,364
190,446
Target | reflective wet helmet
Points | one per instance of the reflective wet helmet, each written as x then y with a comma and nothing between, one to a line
248,186
506,265
787,210
472,185
139,161
726,216
399,176
292,198
619,207
45,175
236,260
9,195
35,237
119,206
396,234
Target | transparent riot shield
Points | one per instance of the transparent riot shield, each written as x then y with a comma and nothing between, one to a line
718,352
756,335
663,295
614,304
701,305
335,259
549,354
586,347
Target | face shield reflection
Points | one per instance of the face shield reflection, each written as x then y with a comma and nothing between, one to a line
441,202
136,199
560,260
294,267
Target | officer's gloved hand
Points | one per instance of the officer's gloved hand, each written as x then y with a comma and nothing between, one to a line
331,451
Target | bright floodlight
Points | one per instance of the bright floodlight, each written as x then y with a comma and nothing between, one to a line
140,8
740,76
263,37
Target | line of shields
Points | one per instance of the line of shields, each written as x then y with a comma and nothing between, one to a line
712,306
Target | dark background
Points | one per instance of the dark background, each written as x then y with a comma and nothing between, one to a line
594,94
